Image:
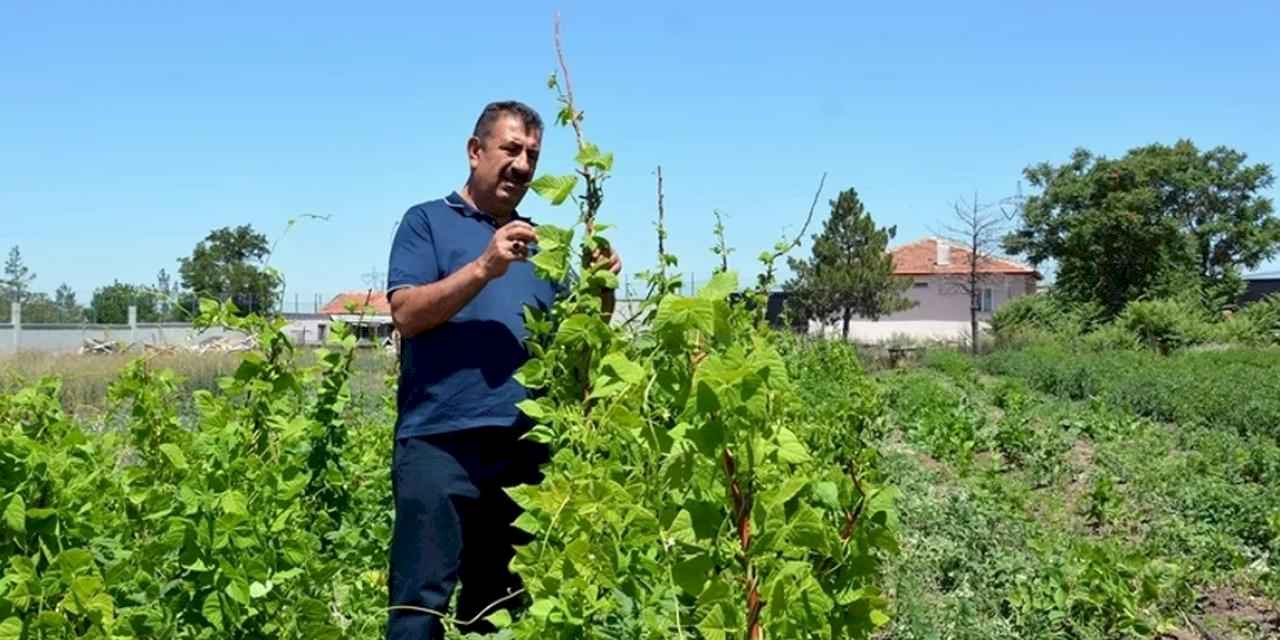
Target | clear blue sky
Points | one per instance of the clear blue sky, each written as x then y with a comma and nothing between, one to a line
127,133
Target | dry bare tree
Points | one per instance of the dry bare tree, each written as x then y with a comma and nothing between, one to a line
977,228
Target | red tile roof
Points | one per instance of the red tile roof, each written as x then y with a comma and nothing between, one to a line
376,301
921,258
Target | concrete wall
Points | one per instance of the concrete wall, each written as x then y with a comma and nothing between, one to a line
69,338
873,332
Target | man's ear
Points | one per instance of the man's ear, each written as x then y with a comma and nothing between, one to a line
473,151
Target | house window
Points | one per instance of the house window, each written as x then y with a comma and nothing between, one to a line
987,300
922,284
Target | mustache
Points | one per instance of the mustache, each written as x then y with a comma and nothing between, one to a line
518,177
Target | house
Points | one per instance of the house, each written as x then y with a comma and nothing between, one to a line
939,271
367,312
306,329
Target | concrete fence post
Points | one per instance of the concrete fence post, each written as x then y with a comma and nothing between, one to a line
133,323
15,316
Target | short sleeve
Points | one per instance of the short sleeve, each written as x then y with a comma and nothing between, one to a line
413,253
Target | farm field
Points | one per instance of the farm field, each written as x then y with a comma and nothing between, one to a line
1052,494
1036,493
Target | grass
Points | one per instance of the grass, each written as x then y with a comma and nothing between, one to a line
85,379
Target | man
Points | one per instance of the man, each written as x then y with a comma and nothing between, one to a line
458,284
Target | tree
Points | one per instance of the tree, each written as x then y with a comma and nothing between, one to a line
977,227
850,272
1157,221
110,304
229,264
39,309
68,310
17,277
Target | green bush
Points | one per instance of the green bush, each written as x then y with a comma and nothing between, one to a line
1165,325
1042,316
1233,389
1257,323
1111,337
959,366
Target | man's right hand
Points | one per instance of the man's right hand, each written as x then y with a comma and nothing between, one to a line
509,244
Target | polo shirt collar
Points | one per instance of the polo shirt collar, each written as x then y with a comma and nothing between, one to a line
457,203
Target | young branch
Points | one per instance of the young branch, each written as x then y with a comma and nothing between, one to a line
662,230
568,84
808,219
594,196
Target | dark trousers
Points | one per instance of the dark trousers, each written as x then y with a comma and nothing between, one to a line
453,523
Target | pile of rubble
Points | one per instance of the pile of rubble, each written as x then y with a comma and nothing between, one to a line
224,344
218,344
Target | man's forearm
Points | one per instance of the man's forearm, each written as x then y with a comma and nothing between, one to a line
424,307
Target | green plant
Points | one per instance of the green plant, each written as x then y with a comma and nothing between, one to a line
959,366
1100,501
1111,337
1097,590
1165,325
1039,317
945,420
680,501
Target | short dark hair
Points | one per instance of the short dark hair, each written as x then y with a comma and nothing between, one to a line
494,110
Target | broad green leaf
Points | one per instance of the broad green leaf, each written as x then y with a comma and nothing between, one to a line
719,287
175,455
15,514
779,496
581,330
500,618
212,611
691,573
533,408
807,529
680,313
11,629
706,518
790,449
551,260
555,188
879,618
239,591
73,560
714,626
233,502
532,374
542,608
590,156
828,494
623,368
681,529
707,400
83,589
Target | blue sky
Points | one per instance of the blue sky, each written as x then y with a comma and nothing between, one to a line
129,132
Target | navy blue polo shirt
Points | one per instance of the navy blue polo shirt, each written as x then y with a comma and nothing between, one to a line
459,374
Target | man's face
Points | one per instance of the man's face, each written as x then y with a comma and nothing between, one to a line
503,164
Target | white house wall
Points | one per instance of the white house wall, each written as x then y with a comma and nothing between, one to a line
941,312
943,299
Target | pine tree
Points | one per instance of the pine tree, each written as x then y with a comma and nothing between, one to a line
17,277
850,272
